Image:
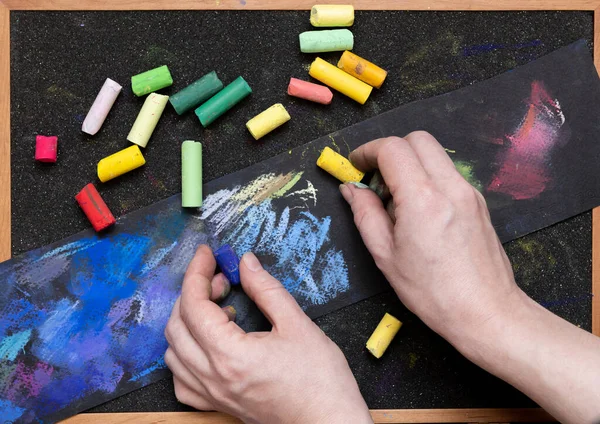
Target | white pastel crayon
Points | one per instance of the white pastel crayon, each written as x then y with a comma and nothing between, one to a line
102,105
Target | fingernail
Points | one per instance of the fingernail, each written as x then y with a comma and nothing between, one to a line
252,262
346,193
230,311
359,185
226,288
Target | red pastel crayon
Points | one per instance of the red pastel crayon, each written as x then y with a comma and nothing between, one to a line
45,148
309,91
94,208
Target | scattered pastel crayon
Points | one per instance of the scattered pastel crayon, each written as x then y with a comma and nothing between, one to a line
102,105
310,91
147,119
383,335
120,163
333,40
46,148
339,80
94,208
332,15
267,121
191,174
229,263
196,93
378,185
339,166
224,100
152,80
362,69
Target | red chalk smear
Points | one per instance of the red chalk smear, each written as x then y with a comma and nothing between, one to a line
94,208
523,172
46,148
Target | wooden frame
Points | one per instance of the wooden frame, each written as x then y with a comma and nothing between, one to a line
379,416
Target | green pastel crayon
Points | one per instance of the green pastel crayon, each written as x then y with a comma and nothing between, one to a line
196,93
150,81
191,174
224,100
326,41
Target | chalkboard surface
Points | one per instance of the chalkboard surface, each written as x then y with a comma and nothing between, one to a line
59,61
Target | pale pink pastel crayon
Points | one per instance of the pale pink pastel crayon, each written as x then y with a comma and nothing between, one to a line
309,91
102,105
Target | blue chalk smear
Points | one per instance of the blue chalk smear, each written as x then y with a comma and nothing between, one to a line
229,263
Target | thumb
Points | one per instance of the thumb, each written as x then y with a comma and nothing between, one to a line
275,302
371,219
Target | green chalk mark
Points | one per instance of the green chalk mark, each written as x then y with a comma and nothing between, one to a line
412,357
466,170
450,151
283,190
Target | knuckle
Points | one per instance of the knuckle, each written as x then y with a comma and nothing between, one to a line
170,331
466,195
419,135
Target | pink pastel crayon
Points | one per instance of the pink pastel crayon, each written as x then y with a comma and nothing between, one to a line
102,105
309,91
46,148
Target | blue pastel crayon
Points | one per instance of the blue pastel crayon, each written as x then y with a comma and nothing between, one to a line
229,263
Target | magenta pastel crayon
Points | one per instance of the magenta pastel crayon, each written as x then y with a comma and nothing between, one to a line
229,262
46,148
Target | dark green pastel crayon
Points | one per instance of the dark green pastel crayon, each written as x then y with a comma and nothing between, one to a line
196,93
224,100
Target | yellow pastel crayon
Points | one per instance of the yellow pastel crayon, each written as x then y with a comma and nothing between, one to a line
120,163
339,166
362,69
383,335
339,80
267,121
332,15
147,119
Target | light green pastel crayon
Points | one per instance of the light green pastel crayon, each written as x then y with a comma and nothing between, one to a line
191,174
326,41
150,81
147,119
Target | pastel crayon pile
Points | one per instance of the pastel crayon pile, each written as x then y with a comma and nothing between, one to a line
210,99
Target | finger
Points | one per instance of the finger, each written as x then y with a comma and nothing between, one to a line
184,345
371,219
398,163
206,321
182,372
220,287
275,302
432,155
187,396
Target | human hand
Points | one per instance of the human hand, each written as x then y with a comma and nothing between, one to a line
291,374
435,244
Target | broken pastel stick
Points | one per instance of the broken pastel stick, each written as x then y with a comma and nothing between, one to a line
224,100
332,15
383,335
310,91
94,208
338,166
332,40
191,174
46,148
339,80
147,120
102,105
229,262
362,69
268,120
120,163
196,93
152,80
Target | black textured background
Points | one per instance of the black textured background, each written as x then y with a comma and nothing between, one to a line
60,60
